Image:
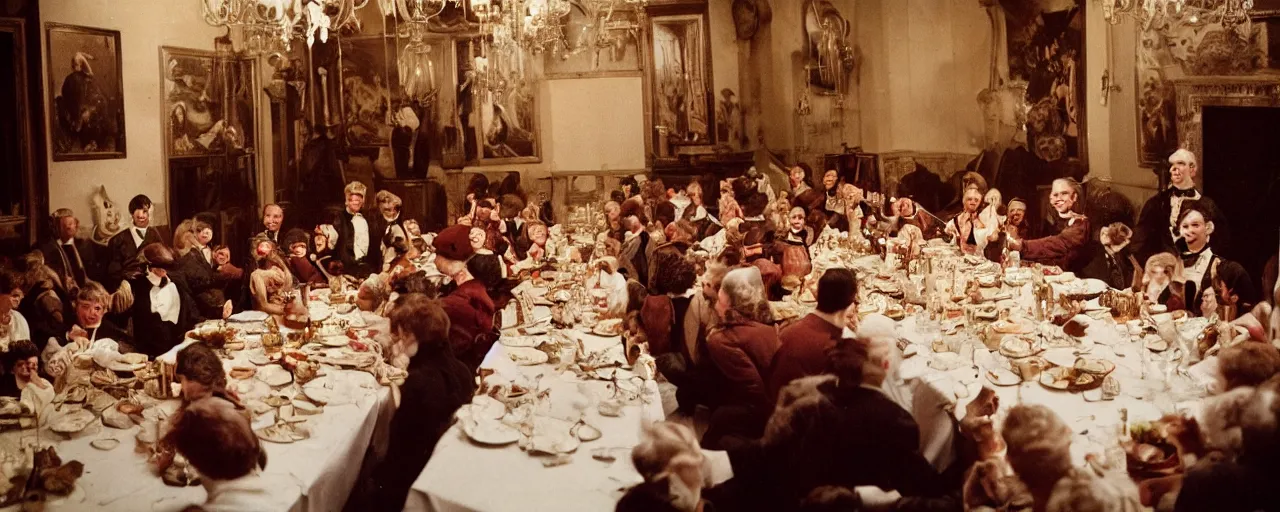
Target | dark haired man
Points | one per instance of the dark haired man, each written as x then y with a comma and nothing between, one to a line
125,245
163,310
73,259
805,343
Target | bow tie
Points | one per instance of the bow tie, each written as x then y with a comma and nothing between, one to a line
354,215
1178,192
1189,259
164,281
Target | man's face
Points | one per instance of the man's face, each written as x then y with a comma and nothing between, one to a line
695,195
1062,197
67,227
1017,212
388,209
972,199
612,211
141,217
298,250
483,212
1158,275
1195,230
1209,302
1182,174
796,219
89,314
222,256
26,368
538,234
272,217
797,176
829,180
476,236
355,202
16,296
205,236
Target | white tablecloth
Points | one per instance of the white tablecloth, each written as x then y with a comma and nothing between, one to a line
463,476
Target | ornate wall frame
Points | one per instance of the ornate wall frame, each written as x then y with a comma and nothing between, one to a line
689,12
1195,93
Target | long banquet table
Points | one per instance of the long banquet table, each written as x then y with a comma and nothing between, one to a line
463,476
315,474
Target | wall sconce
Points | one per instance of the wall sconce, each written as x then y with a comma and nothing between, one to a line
1108,86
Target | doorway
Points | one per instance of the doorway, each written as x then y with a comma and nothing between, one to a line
1242,175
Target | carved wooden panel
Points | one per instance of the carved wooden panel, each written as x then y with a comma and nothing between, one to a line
1193,94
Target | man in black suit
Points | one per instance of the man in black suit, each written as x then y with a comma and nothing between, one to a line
357,248
207,285
1157,229
125,245
272,219
163,310
72,258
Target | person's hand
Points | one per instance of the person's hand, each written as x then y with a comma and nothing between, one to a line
986,404
875,498
226,310
78,333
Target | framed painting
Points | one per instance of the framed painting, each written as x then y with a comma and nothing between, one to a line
679,83
424,117
599,43
209,104
497,105
86,93
1046,50
366,96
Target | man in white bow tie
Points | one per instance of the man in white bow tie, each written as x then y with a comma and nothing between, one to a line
359,254
163,310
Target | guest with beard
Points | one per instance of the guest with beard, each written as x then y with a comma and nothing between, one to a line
1061,245
357,249
1158,227
1202,268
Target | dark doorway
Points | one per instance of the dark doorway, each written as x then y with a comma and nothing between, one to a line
1242,174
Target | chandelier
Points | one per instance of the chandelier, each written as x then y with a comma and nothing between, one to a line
270,26
1162,14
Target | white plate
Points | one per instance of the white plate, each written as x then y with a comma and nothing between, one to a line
1064,357
326,391
274,375
1003,377
525,356
490,432
335,341
248,316
521,341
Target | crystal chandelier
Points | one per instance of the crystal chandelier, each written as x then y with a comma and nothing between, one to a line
270,26
1162,14
416,70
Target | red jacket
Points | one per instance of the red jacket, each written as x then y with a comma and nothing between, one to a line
1062,249
803,352
471,330
743,353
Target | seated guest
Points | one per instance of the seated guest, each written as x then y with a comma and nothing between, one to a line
836,430
357,241
217,439
741,349
1162,281
391,223
1248,364
271,282
1113,262
304,268
613,217
163,309
489,260
21,371
1084,491
125,245
200,374
1202,268
1241,483
968,227
673,468
1016,219
511,224
805,344
470,310
534,240
272,220
72,259
605,277
373,294
634,255
664,309
13,326
794,245
492,272
1039,449
207,285
1060,247
88,324
438,383
44,304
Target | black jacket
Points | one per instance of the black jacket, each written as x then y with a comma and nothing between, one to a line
64,261
865,439
437,385
123,252
155,336
1114,269
372,261
1152,234
207,287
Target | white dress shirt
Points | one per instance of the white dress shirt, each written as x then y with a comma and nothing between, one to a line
360,235
137,240
1195,273
165,300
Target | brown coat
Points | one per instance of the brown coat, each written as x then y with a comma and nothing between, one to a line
803,352
1061,249
743,354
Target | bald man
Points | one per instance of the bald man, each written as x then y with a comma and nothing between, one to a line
1157,229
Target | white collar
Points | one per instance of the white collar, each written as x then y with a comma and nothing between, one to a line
757,218
155,280
71,241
